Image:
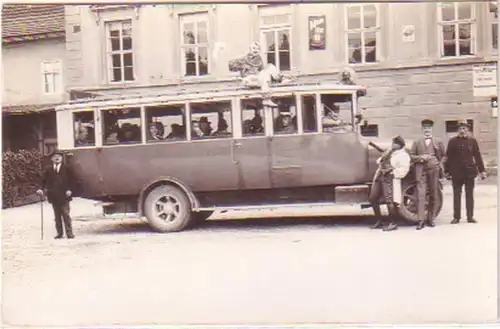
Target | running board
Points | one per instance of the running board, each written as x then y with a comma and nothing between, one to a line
316,206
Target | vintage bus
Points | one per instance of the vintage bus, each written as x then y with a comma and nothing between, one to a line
177,157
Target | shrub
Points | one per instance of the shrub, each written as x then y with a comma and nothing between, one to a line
22,174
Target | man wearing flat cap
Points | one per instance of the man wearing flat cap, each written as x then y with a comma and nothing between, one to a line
59,182
394,165
428,154
463,164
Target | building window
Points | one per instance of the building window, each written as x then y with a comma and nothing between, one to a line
452,126
457,29
120,54
194,44
275,29
52,78
493,10
363,33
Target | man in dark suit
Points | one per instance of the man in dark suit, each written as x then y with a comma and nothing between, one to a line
463,163
427,153
59,182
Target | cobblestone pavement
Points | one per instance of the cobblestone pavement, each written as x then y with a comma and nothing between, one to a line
253,271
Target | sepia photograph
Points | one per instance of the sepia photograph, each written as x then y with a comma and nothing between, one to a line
280,163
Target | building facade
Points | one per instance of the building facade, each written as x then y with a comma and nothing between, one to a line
415,58
33,58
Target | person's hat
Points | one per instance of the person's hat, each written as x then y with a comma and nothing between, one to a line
427,122
61,153
286,113
399,140
463,123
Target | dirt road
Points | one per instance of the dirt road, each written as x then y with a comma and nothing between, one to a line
256,271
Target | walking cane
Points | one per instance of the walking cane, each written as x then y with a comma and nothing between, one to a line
41,216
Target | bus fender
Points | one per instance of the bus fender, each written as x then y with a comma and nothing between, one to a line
166,181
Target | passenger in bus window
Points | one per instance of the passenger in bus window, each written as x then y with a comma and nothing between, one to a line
84,134
156,131
129,133
205,126
196,131
222,126
177,132
284,123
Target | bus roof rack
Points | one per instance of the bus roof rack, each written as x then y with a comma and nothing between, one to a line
186,90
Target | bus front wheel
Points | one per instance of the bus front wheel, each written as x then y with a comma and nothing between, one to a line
167,209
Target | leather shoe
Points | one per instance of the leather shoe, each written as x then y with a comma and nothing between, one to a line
58,237
455,221
71,236
420,225
472,220
377,225
431,223
390,227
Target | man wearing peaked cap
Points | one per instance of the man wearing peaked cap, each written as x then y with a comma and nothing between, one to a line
463,163
394,165
428,154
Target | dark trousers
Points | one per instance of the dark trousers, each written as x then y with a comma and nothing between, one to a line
458,184
61,213
382,187
428,180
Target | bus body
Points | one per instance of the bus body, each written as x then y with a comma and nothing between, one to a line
175,158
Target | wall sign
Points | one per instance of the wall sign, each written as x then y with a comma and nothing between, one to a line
408,33
484,80
317,30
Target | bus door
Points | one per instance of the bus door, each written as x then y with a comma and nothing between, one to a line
251,151
285,142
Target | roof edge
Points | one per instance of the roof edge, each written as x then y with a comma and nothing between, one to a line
33,37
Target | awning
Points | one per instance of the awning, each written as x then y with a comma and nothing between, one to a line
27,109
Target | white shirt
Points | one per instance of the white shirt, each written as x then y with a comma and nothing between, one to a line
400,161
57,167
428,141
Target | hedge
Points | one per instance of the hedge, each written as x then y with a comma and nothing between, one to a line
22,173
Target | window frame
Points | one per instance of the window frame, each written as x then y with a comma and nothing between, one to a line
194,18
268,11
211,138
492,25
57,77
362,30
109,52
102,125
94,115
456,23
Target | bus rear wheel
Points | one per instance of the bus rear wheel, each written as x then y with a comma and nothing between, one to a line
167,209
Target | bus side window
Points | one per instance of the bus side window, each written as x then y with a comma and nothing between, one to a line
166,122
84,129
252,116
121,126
337,113
309,121
211,120
285,116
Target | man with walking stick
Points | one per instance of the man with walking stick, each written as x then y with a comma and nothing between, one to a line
463,164
59,182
